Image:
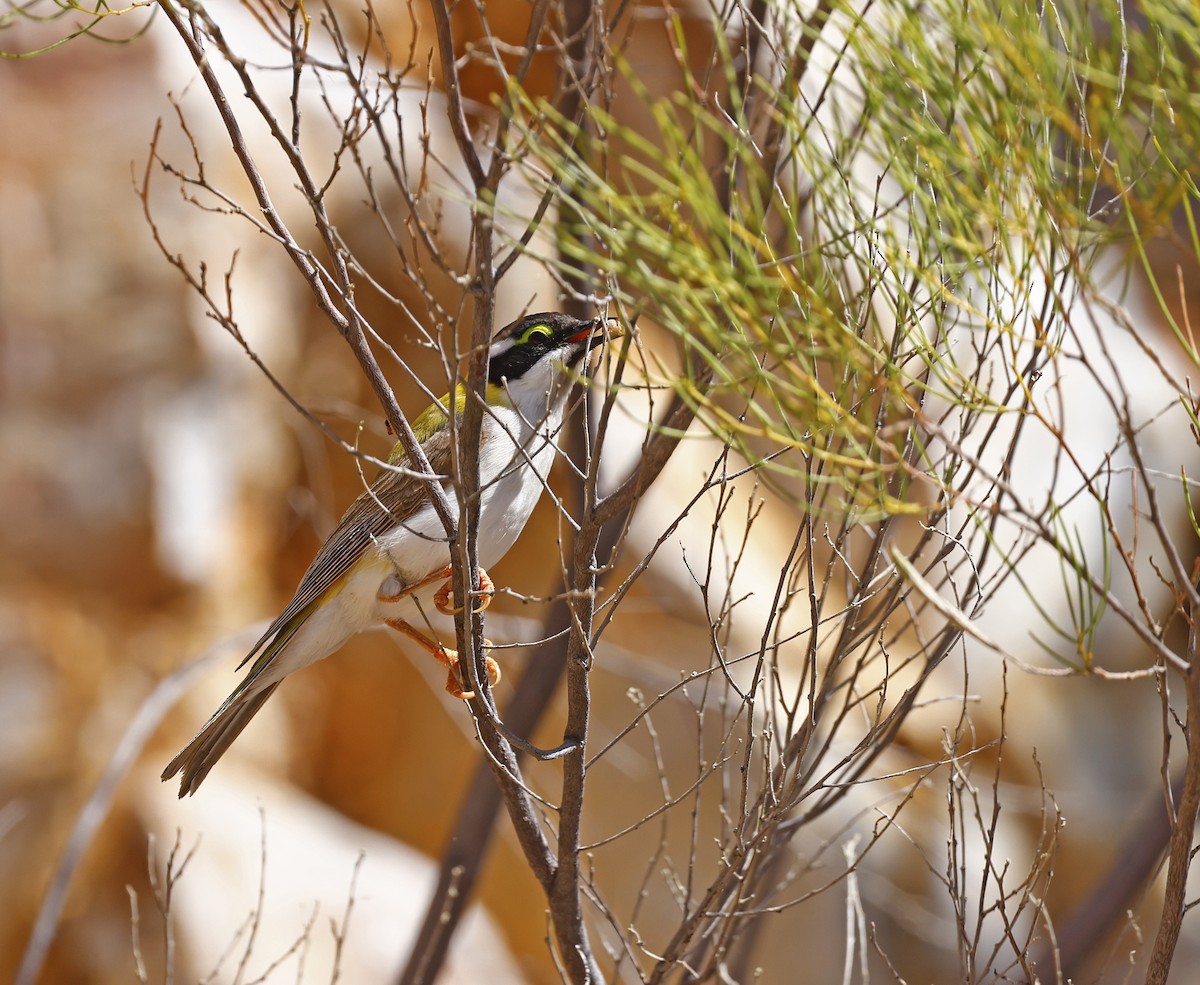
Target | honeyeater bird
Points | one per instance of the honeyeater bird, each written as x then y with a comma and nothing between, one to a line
383,560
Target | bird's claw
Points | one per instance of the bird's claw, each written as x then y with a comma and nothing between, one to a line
443,600
449,657
454,678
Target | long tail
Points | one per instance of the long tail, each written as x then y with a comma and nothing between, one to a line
226,724
210,743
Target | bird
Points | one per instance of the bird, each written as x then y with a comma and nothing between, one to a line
380,564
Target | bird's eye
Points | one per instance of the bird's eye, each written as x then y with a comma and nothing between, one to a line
534,332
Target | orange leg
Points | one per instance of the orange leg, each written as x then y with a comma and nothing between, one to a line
443,601
454,678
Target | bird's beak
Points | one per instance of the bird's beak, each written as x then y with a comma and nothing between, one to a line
599,331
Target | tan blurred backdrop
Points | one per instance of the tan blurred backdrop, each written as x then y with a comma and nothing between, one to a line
157,497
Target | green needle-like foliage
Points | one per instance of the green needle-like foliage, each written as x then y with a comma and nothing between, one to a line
835,253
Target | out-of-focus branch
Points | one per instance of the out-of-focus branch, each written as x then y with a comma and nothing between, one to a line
1079,937
656,452
142,726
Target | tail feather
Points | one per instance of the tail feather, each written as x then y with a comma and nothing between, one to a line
226,724
210,743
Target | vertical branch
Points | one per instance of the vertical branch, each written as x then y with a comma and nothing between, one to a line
465,447
469,840
566,894
482,285
563,891
570,619
1179,855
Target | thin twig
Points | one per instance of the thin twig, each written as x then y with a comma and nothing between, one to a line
348,326
95,809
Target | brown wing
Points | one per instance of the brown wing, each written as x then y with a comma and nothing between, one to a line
391,499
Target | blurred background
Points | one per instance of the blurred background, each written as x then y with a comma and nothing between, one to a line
160,497
160,500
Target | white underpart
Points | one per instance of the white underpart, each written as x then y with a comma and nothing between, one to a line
516,455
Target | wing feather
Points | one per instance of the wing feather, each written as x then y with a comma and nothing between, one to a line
391,499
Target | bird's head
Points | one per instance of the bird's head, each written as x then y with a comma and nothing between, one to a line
529,368
529,358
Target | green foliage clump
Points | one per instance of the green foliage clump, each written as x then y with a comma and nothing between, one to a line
839,242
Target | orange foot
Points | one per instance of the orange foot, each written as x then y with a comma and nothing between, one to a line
443,601
454,678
